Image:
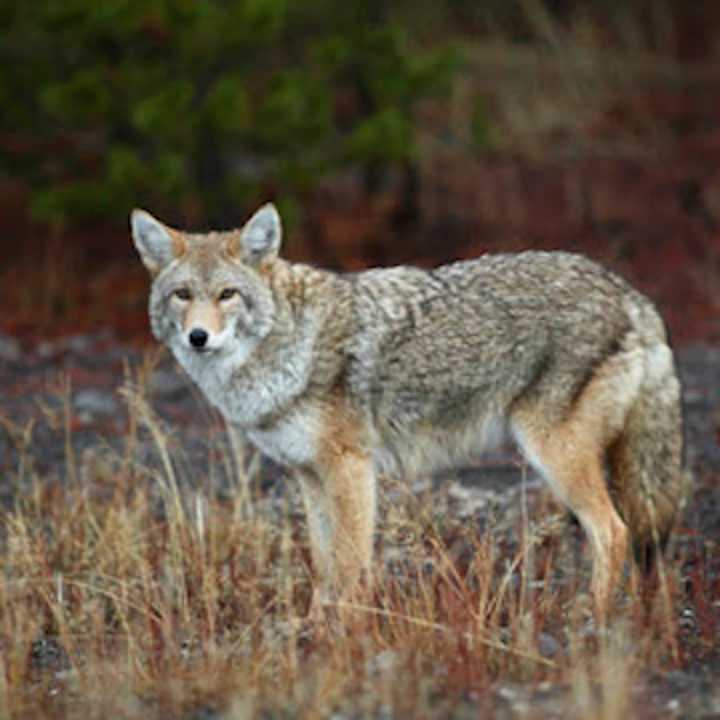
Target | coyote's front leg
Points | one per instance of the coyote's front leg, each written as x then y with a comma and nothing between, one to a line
340,501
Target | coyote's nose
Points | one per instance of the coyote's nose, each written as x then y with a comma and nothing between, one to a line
198,337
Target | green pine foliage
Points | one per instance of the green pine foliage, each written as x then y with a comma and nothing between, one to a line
194,108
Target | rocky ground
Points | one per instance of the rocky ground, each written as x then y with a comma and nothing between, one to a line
66,393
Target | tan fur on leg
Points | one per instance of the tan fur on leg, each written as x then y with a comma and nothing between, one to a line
570,461
340,503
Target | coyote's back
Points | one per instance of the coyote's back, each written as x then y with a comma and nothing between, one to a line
333,374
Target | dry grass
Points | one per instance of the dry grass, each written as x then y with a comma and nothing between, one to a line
127,592
572,88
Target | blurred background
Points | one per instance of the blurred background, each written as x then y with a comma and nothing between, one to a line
409,131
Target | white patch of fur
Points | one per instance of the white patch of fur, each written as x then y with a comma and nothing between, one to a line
537,464
151,239
212,369
293,440
429,450
622,377
658,364
247,392
633,312
392,308
262,234
494,432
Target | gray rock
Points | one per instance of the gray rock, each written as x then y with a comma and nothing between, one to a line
549,647
94,402
10,350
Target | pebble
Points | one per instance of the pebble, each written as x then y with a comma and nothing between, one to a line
10,350
549,647
95,402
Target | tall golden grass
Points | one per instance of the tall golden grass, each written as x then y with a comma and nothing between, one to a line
131,588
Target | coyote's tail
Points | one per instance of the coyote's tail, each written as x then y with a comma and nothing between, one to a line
648,483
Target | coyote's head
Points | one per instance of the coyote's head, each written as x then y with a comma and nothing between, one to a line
210,295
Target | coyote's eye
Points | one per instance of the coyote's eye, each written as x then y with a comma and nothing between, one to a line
228,293
182,294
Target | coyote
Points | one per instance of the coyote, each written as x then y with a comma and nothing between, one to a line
340,376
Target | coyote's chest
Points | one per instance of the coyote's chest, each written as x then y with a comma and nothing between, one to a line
261,403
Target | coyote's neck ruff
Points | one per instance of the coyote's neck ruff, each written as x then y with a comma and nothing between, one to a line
333,374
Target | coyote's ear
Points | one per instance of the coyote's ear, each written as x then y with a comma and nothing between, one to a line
157,244
259,239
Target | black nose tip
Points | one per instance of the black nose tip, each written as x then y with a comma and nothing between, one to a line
198,337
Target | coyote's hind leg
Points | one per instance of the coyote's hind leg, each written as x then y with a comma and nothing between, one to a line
572,465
